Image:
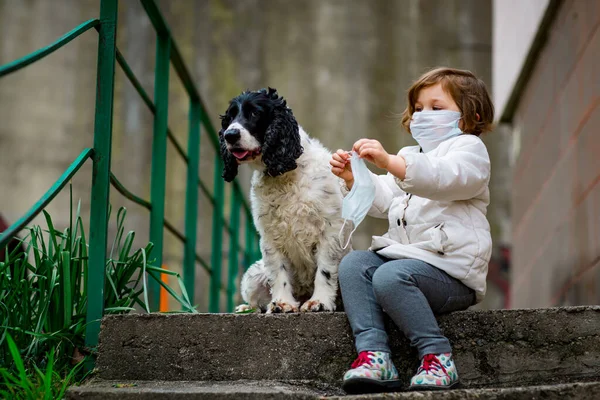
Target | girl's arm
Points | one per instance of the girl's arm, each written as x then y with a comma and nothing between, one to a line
385,191
385,186
462,174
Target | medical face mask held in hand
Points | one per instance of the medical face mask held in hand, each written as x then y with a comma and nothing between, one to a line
430,128
358,202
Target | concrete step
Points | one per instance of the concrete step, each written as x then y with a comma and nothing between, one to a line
247,390
579,391
238,390
503,348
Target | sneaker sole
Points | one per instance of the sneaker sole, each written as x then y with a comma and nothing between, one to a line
366,385
423,388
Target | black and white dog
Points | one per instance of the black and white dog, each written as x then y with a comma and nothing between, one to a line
296,205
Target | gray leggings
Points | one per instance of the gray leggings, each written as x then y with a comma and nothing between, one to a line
409,291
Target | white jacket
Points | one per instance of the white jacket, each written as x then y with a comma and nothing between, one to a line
437,214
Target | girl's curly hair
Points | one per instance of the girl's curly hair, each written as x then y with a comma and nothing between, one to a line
468,92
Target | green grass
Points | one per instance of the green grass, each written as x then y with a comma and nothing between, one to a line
43,301
34,383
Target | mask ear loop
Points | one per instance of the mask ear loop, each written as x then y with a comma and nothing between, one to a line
349,237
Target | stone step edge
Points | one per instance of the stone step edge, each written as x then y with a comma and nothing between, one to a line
244,389
560,391
306,391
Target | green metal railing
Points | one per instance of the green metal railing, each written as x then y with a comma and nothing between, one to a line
167,55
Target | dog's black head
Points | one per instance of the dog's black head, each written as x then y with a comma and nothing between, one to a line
258,126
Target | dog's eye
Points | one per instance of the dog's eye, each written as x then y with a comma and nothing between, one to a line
232,112
254,114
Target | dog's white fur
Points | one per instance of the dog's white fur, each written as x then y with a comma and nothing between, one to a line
298,217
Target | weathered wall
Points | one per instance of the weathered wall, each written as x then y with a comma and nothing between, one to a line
344,67
515,23
556,196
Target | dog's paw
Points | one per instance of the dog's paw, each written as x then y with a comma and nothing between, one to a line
246,309
315,305
279,306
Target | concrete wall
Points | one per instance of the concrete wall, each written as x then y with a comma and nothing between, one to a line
344,67
515,23
556,195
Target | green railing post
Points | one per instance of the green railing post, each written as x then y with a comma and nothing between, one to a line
105,80
233,247
159,157
217,236
191,200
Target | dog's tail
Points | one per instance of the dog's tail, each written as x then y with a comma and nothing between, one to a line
255,287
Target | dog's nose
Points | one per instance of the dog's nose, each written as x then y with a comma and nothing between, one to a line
232,135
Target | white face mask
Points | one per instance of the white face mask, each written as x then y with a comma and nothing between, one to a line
358,202
430,128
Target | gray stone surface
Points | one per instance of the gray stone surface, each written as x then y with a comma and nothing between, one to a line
492,348
579,391
299,391
239,390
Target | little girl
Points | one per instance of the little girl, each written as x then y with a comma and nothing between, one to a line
434,257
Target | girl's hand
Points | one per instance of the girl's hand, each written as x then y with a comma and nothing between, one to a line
372,151
340,166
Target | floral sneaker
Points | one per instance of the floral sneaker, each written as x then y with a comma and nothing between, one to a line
372,371
436,372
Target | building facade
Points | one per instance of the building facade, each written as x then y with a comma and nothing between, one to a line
546,74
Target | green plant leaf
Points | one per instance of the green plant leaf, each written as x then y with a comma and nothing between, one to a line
52,234
49,375
66,287
144,281
22,374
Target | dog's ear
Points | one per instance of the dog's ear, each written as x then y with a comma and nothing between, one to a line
281,145
230,164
